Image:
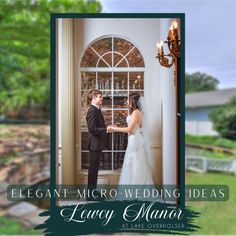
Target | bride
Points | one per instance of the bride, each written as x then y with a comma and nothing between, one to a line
136,168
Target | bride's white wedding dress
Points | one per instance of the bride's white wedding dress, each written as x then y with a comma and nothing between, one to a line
135,169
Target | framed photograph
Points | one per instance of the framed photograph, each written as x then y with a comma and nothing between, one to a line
117,103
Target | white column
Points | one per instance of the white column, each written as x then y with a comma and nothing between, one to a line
66,101
168,91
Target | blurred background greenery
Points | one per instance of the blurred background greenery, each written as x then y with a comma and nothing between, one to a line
25,83
25,54
217,218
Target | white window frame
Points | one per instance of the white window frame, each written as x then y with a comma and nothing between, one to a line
111,69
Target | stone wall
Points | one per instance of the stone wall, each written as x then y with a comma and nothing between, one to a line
30,169
24,153
24,159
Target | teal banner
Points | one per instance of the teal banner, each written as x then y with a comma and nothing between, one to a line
119,216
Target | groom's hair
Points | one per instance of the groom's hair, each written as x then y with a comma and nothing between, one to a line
93,93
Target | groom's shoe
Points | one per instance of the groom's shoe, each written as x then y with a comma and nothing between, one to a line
96,196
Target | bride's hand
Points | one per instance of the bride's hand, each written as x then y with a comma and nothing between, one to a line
110,129
113,127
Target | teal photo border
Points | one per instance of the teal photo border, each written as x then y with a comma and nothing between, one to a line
54,17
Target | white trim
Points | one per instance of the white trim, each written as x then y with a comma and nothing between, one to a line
100,57
112,56
107,36
125,56
114,69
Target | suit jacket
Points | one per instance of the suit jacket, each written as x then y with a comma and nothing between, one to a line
97,129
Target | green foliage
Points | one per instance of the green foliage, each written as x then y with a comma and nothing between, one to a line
13,227
198,82
215,142
25,49
210,140
214,154
224,119
197,139
222,142
8,157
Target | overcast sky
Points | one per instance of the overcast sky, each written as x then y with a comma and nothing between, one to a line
210,30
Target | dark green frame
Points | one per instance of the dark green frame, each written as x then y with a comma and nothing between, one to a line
54,16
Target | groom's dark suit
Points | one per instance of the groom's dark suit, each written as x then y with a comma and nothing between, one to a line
96,142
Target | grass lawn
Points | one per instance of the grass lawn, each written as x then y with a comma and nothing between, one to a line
216,217
12,227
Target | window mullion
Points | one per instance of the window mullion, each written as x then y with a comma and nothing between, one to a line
100,58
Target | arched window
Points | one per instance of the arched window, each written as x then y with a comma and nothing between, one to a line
115,66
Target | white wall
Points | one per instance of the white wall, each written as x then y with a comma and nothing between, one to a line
169,115
200,128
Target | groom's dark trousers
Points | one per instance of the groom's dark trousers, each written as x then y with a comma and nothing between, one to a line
96,142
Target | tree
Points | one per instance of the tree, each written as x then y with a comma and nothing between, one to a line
25,49
197,82
224,119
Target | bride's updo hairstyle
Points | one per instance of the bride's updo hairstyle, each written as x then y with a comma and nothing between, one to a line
133,102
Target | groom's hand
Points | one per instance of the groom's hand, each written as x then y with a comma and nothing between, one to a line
109,129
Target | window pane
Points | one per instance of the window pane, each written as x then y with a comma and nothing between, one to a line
120,141
118,160
106,161
120,80
107,116
104,81
120,93
119,61
102,63
136,81
106,61
107,100
123,63
102,46
122,46
88,80
135,59
120,101
84,108
89,59
85,160
83,118
120,118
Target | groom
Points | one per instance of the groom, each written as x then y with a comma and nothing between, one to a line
96,141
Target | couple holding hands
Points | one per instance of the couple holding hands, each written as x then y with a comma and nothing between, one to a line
136,168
